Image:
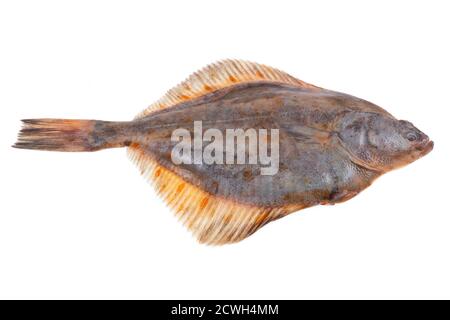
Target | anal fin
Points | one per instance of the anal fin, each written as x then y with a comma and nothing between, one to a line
211,219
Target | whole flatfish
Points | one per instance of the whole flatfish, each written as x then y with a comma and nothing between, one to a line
239,144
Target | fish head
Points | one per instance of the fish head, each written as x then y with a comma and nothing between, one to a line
381,142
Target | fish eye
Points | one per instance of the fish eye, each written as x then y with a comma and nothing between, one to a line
411,136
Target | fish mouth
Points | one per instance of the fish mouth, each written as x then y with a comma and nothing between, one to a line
426,147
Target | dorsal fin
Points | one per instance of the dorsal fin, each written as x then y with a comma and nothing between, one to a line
220,75
212,220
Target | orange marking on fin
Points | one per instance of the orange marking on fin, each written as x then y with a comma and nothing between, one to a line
259,74
185,97
204,202
158,172
180,187
206,87
262,217
232,79
227,219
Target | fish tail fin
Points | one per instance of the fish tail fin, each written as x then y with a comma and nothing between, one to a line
71,135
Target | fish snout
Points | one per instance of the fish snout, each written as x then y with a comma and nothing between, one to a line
424,144
426,147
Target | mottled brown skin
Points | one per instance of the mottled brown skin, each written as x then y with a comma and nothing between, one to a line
323,158
332,145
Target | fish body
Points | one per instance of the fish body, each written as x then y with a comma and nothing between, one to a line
325,146
314,167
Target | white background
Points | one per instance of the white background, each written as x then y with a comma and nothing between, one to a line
87,225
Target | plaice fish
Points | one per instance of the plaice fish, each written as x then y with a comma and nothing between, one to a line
302,146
